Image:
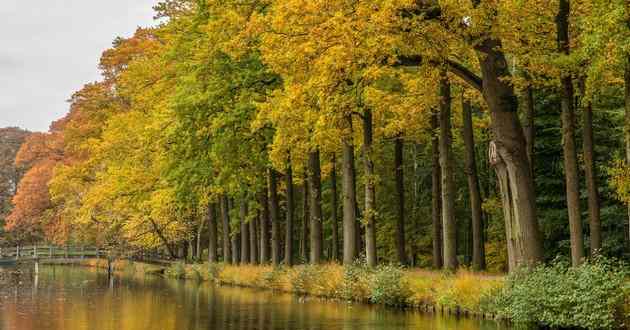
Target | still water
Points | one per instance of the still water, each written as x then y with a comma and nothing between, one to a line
65,297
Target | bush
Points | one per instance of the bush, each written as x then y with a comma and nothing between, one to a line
214,270
305,279
176,270
589,296
273,279
388,286
356,282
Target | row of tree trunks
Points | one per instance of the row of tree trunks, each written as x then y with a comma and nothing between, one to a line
568,141
478,253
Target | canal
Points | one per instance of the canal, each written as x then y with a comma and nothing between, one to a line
64,297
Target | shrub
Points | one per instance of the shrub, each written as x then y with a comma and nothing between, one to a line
356,282
273,279
588,296
176,270
214,270
388,286
305,279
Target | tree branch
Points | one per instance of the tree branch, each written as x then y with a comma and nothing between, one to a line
457,69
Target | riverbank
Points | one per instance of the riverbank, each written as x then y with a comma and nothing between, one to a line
594,295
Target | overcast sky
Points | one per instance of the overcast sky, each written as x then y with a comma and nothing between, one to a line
51,48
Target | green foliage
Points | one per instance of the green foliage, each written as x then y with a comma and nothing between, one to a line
389,287
355,285
176,270
306,278
588,296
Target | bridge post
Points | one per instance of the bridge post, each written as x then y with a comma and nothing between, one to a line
17,252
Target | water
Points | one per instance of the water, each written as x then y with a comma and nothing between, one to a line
78,298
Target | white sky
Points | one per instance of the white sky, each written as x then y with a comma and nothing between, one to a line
50,49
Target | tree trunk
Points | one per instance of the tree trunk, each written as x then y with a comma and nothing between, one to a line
449,225
400,193
436,193
264,226
225,221
305,222
529,128
288,249
591,179
315,195
568,142
627,123
510,151
244,229
274,213
370,190
349,199
236,238
333,215
198,249
478,260
253,241
212,233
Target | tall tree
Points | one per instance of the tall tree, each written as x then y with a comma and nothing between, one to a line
315,195
400,194
349,198
568,140
478,255
449,224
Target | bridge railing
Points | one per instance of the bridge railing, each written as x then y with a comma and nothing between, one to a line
51,252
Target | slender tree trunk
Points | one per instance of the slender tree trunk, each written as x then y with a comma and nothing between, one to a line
198,249
529,128
449,225
568,142
253,242
212,233
400,193
236,238
436,194
244,229
478,260
315,195
264,226
333,215
370,189
627,124
349,199
591,178
305,222
225,221
288,249
274,209
509,149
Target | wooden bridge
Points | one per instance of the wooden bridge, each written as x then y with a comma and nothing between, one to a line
19,254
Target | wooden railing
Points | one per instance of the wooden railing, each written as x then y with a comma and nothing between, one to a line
51,252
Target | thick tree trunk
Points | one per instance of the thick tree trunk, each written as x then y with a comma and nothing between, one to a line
305,222
370,190
212,233
288,248
568,142
333,213
478,259
225,224
315,196
349,199
274,209
510,150
591,180
436,193
244,229
400,194
449,225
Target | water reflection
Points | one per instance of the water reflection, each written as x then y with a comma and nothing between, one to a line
79,298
